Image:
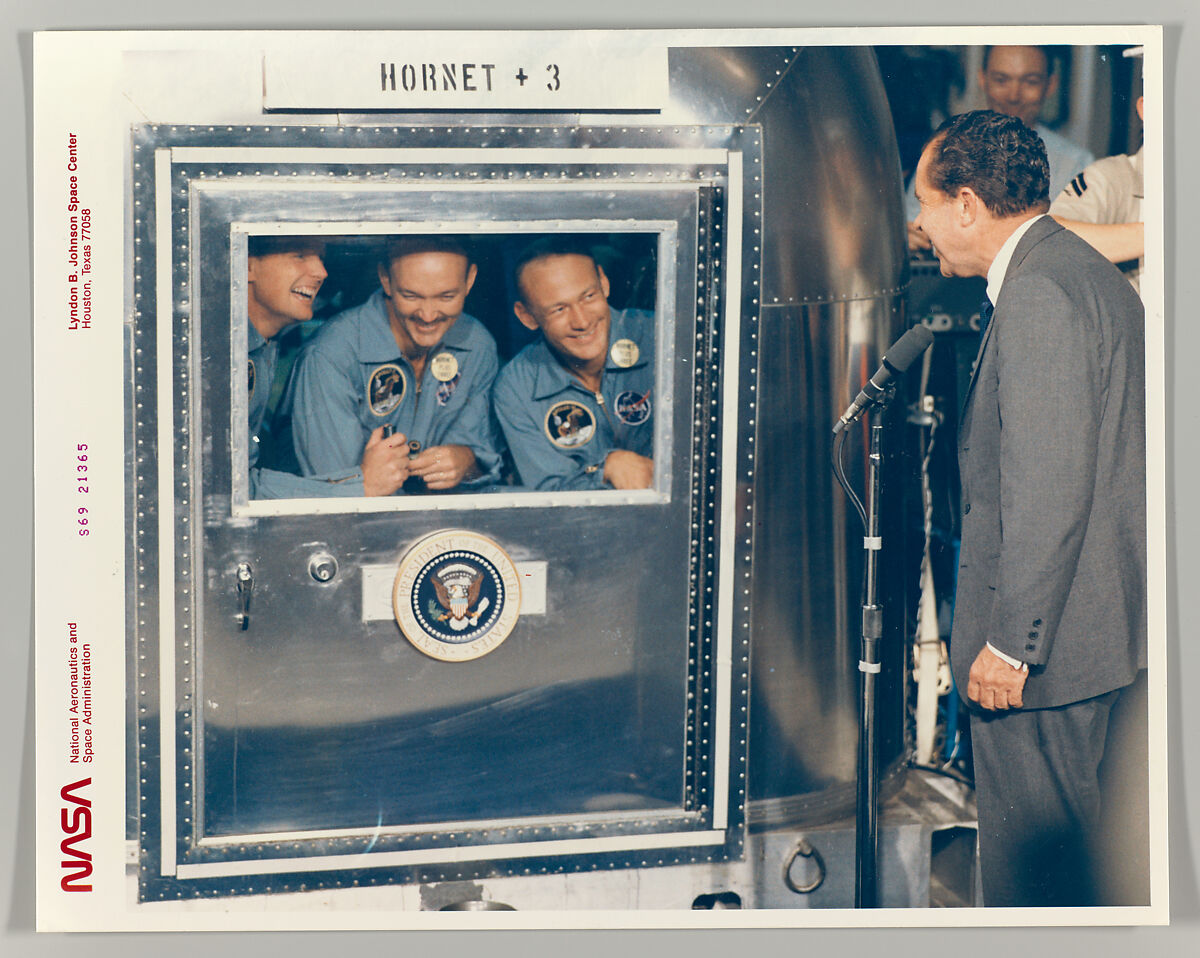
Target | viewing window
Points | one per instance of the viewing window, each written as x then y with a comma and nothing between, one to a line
339,361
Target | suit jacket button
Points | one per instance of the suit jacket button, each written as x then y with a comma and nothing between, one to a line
966,508
1037,621
1033,635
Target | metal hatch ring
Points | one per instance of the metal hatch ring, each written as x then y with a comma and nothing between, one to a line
805,850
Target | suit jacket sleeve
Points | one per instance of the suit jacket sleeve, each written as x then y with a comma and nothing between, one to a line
1050,384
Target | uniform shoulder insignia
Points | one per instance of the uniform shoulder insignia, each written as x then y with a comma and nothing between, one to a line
1077,185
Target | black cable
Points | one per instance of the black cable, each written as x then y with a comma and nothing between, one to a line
840,473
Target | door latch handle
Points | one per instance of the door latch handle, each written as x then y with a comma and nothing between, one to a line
245,589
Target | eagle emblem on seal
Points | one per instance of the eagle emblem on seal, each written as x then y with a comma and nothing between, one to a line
458,586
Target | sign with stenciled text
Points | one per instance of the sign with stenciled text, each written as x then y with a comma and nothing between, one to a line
547,72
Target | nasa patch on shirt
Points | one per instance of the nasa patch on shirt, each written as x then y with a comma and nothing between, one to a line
570,424
457,595
632,407
385,388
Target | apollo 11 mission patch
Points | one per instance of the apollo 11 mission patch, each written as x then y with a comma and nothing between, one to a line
570,424
385,388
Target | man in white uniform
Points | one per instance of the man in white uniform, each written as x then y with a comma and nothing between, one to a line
1103,204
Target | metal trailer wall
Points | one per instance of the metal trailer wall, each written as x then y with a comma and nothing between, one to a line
835,267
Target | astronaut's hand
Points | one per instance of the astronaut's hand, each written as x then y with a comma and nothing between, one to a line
384,463
995,684
444,467
627,470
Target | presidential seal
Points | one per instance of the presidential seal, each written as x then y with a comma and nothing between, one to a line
457,595
385,389
570,424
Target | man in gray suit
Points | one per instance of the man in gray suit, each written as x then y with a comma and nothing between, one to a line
1050,618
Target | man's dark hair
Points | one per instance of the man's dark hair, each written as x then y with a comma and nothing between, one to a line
565,244
1001,159
269,245
406,245
1050,53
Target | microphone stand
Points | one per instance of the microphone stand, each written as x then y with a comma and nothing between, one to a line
866,888
875,395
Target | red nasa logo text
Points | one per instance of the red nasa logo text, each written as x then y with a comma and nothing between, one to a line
77,827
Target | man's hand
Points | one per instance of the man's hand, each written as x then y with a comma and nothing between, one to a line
384,463
444,467
993,683
627,470
917,239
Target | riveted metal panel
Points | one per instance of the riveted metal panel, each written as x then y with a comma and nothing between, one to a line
316,749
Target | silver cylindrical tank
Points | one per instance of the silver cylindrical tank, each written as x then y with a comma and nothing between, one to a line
834,270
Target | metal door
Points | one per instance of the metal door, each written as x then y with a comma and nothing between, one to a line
289,735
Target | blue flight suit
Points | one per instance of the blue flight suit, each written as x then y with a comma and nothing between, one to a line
351,379
262,355
560,433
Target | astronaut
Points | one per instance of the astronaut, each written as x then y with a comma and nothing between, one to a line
283,276
409,359
576,405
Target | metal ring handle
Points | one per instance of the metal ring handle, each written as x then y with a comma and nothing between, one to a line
804,850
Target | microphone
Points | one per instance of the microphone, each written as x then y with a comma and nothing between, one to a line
896,361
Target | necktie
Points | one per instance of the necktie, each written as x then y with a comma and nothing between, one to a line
985,314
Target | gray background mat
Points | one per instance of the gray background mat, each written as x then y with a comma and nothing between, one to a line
1182,74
